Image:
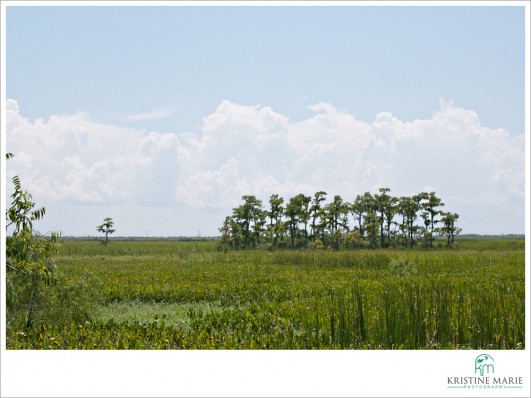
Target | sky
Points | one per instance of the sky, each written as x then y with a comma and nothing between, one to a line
162,118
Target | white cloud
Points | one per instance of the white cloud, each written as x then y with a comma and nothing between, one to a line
73,158
240,150
329,131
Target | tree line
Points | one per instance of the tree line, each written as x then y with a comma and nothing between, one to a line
370,221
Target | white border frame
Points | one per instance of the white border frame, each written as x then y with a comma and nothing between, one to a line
245,373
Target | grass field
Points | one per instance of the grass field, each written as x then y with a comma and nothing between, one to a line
188,295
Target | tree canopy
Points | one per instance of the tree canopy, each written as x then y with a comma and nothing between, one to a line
106,228
378,220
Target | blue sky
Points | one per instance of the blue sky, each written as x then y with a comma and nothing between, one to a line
111,61
162,117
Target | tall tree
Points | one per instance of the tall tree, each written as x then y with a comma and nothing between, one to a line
381,200
316,212
361,205
236,234
304,214
449,229
386,209
258,227
297,211
275,216
391,209
107,228
408,208
430,205
276,209
246,215
372,222
225,232
293,210
335,213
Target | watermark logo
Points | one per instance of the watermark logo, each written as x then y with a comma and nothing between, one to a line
484,365
484,377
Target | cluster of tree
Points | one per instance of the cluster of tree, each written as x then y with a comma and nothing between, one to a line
370,220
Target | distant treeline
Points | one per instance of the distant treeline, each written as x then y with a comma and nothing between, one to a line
370,221
146,238
501,236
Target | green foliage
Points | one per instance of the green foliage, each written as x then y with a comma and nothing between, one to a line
368,222
107,228
33,302
449,229
22,212
29,259
189,295
36,293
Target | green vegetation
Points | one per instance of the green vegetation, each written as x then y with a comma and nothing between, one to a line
29,262
107,228
191,295
36,292
76,294
370,221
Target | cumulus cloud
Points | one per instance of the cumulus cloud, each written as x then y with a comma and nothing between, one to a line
73,158
238,150
254,150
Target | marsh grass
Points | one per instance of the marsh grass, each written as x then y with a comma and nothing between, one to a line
175,295
174,314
